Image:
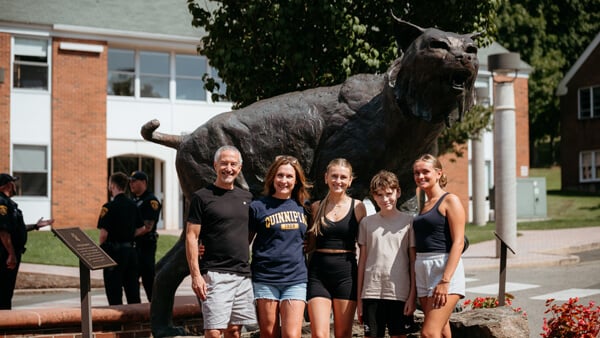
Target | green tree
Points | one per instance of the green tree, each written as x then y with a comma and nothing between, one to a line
474,121
265,48
550,35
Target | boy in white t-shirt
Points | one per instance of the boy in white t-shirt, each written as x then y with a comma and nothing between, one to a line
386,280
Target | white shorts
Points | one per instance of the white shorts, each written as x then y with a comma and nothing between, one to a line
229,301
429,268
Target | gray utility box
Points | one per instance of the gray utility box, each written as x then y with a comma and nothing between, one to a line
531,198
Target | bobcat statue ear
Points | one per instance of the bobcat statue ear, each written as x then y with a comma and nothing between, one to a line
475,35
405,32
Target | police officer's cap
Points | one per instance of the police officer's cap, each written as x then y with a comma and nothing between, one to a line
138,175
6,178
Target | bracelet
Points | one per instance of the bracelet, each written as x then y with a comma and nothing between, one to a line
444,281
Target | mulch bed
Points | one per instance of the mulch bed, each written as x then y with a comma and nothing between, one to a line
29,280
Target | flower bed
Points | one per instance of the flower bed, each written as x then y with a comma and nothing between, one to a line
571,320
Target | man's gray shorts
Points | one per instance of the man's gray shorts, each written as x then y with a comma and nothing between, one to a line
229,301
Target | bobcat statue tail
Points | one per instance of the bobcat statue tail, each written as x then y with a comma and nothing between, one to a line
149,133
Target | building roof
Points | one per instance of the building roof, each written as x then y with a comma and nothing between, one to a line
161,17
562,85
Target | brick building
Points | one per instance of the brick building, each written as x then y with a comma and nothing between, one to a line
579,94
79,78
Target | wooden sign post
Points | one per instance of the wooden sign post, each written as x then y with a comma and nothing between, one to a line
91,257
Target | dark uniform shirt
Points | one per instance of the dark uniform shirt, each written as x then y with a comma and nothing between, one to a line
120,218
11,221
149,207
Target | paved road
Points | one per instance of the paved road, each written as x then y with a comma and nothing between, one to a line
532,286
546,266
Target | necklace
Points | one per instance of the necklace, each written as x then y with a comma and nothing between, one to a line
335,209
337,206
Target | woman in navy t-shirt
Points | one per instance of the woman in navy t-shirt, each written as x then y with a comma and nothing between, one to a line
279,224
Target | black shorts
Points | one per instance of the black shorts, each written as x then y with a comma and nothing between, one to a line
332,276
381,313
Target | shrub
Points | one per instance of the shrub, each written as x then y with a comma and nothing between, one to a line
571,320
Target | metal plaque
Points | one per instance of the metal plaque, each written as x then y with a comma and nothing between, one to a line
89,253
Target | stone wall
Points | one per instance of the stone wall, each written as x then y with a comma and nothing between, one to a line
119,321
133,321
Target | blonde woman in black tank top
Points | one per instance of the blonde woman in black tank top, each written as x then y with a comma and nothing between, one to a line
332,268
441,296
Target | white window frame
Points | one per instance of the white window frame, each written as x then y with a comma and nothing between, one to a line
594,166
190,77
172,77
139,74
47,64
122,72
18,170
592,113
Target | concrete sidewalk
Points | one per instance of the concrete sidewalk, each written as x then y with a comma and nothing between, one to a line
536,248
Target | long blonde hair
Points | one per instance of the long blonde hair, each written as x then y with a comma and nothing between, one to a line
319,218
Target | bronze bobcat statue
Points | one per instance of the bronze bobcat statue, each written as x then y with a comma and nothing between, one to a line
375,121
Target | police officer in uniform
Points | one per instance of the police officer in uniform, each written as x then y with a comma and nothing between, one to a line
13,236
119,223
149,207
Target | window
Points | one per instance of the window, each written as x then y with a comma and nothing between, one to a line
154,74
30,163
189,70
30,64
589,102
222,86
129,164
589,166
121,72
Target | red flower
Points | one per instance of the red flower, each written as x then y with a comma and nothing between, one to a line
571,320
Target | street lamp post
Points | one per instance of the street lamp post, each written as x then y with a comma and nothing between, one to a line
504,68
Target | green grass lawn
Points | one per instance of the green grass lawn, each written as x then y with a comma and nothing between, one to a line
565,210
43,247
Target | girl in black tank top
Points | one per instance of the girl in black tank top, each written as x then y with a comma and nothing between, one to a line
339,235
332,268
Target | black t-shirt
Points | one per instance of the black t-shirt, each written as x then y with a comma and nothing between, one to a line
223,218
120,218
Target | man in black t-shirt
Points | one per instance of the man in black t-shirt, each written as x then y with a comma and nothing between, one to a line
221,278
145,245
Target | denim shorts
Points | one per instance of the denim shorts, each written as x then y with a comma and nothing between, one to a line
280,292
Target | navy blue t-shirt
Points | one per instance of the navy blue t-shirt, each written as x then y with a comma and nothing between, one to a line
277,251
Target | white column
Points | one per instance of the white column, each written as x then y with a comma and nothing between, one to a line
172,206
505,171
479,187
